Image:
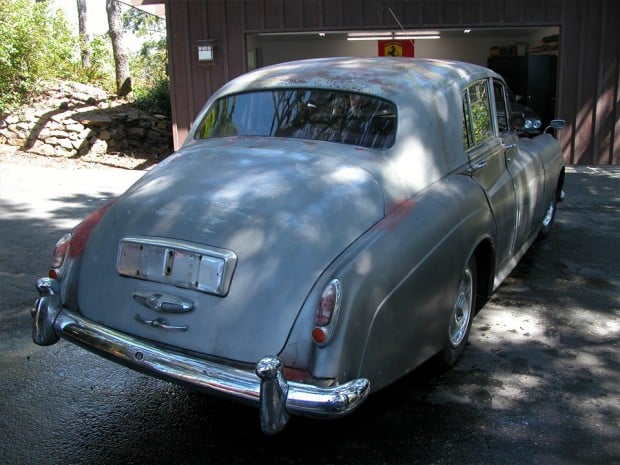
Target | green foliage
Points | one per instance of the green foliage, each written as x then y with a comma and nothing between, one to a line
148,67
101,70
35,43
143,24
479,121
154,99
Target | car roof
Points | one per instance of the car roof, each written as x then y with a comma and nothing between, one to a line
427,93
387,77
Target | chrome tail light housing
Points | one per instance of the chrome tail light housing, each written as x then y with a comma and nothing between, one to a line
327,312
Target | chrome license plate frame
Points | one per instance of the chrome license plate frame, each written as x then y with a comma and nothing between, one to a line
178,263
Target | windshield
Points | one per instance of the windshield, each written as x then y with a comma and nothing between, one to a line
323,115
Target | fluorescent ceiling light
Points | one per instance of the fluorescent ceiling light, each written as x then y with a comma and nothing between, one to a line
417,33
369,35
370,38
401,35
416,37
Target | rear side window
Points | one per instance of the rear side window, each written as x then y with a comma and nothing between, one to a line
315,114
477,123
501,107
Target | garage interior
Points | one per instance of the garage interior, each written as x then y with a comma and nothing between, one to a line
525,57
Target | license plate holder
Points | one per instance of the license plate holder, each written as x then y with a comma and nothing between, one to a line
178,263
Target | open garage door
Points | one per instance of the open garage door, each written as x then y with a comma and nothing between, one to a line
525,57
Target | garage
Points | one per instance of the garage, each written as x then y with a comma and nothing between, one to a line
525,57
471,45
584,89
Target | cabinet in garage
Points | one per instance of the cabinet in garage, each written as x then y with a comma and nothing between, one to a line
532,77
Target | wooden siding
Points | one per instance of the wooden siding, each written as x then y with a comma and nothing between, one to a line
588,94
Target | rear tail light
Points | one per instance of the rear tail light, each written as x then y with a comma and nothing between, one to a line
61,250
72,244
327,312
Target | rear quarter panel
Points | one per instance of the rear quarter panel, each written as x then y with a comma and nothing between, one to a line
399,284
548,150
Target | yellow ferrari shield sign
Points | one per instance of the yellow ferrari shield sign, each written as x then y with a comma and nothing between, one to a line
396,48
393,49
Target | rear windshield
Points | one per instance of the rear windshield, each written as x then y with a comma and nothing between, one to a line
323,115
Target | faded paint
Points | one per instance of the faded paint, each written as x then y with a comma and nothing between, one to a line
425,92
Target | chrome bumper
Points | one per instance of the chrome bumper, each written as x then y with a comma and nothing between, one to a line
266,387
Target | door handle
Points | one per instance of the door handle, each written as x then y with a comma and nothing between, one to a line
160,323
507,148
477,166
165,303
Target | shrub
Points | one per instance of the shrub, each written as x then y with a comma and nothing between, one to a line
36,43
155,98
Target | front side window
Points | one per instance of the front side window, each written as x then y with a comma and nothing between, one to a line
314,114
477,123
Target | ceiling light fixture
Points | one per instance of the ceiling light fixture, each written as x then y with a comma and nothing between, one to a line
401,35
369,36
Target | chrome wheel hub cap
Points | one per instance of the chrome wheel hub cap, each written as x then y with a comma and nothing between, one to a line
548,215
461,313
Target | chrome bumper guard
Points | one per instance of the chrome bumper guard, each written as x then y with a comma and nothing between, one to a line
266,388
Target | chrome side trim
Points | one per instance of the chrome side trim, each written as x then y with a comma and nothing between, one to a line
266,388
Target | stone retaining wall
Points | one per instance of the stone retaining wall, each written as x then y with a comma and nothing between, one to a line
74,120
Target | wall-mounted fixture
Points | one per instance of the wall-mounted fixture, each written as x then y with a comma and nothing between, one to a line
206,51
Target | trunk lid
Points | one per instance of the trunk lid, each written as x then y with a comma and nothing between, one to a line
284,215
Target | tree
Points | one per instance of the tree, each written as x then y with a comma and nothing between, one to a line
119,51
149,67
83,31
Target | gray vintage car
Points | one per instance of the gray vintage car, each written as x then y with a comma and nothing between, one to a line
327,226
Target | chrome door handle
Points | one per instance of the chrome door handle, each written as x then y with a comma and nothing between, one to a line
509,146
477,166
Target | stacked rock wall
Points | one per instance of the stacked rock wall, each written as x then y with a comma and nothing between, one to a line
75,120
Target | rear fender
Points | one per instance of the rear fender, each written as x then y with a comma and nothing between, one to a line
394,282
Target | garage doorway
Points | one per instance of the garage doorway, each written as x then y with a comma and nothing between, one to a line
525,57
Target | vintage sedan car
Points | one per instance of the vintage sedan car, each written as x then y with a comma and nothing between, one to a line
525,119
327,226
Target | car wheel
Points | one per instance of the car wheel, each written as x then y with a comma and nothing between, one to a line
549,217
461,317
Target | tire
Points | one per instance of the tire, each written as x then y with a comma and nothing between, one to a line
549,217
461,316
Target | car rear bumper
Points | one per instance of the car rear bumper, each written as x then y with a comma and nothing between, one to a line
266,387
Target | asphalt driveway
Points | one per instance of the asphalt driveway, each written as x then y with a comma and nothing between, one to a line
538,383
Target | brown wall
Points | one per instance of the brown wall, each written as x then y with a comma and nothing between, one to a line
588,71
